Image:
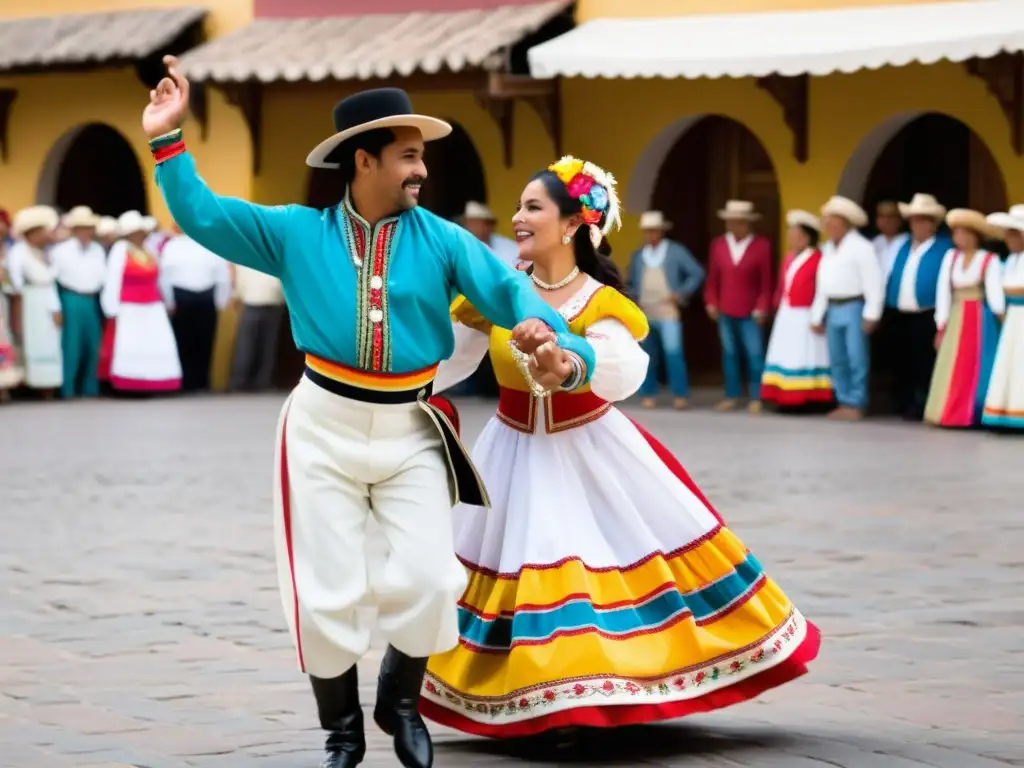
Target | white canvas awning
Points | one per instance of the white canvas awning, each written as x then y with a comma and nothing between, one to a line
784,43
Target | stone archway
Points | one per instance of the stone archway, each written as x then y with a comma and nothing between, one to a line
924,152
915,152
94,165
688,171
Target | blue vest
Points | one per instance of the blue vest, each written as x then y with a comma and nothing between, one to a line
927,273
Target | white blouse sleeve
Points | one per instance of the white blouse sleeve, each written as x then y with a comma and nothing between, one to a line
944,291
994,286
16,267
620,365
110,296
470,347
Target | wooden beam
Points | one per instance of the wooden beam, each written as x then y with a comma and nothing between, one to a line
500,96
248,97
7,97
792,94
1004,76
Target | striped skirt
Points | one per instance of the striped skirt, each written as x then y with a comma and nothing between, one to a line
964,363
796,370
604,590
1004,403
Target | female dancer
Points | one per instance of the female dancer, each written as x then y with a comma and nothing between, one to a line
604,588
1004,403
138,353
969,306
34,280
796,371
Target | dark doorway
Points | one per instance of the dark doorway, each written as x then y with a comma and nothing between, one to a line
715,160
99,169
941,156
456,175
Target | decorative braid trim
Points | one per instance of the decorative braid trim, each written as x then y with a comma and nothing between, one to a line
167,146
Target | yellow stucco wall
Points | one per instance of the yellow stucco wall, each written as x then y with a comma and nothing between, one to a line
843,111
587,10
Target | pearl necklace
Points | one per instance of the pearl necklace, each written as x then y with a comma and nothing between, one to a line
555,286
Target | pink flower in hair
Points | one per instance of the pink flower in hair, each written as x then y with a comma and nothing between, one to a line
580,185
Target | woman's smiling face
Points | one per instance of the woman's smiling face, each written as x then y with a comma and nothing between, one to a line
538,225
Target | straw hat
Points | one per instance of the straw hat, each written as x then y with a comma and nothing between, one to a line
130,222
80,216
845,208
739,210
106,226
1012,219
654,220
973,220
368,110
34,217
477,212
923,205
798,218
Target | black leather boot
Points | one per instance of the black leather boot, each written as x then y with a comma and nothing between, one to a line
337,703
397,710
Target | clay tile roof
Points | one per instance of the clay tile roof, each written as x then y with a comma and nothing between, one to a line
90,38
365,47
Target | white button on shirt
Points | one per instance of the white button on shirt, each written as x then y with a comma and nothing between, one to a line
79,268
849,270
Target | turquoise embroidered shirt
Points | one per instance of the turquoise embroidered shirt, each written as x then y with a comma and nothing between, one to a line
375,299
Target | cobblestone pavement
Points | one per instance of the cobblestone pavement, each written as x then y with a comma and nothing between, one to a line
141,624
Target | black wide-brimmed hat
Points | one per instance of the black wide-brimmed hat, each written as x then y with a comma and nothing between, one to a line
377,108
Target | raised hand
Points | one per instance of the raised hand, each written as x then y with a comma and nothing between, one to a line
549,366
530,334
168,102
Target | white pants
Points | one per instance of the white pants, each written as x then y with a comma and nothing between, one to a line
338,461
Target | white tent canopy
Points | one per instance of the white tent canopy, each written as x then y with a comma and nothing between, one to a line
784,43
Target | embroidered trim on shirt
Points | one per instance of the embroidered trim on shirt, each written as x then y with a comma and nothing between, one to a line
370,250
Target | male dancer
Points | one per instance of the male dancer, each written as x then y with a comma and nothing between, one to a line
368,285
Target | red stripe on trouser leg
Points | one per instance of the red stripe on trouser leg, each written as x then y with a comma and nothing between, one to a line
286,513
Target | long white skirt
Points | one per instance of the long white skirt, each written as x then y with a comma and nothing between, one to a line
41,350
145,353
796,370
1004,402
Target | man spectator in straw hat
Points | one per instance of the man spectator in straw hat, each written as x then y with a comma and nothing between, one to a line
663,276
910,304
848,302
738,295
479,220
106,232
81,270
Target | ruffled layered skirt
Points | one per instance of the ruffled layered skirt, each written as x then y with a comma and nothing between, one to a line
604,590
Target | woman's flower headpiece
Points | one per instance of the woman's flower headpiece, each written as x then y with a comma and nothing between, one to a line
595,189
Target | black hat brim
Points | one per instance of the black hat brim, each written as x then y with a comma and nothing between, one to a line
431,128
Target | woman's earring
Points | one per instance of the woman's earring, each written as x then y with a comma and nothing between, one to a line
566,239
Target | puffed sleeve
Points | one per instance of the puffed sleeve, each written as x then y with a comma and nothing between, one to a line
944,291
620,364
994,295
472,341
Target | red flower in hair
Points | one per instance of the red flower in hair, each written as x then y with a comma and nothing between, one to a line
580,185
591,217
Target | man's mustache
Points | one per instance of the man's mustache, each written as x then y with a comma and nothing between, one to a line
414,180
